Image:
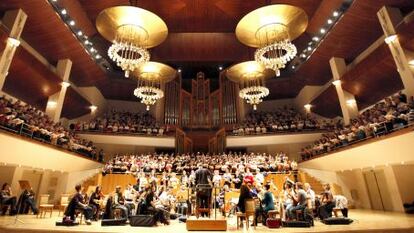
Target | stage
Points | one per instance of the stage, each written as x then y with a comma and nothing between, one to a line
364,221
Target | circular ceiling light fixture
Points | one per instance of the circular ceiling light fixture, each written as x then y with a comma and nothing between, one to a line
150,77
132,31
271,30
251,78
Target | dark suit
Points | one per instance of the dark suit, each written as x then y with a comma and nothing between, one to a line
203,177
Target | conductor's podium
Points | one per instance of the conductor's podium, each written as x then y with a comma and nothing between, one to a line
194,224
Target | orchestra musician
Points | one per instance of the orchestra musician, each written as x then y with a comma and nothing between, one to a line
78,202
95,201
119,202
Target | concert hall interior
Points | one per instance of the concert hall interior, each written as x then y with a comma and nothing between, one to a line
206,115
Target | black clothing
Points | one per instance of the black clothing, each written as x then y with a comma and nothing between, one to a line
76,203
244,195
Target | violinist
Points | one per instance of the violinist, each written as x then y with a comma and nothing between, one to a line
95,200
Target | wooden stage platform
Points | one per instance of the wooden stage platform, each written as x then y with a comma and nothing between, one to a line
365,221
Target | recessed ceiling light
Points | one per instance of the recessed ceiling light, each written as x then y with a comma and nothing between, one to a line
72,23
309,48
220,68
63,12
315,38
335,13
179,70
323,30
80,33
303,55
98,56
86,42
330,21
92,50
293,67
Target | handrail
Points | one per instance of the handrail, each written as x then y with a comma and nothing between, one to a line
24,130
376,135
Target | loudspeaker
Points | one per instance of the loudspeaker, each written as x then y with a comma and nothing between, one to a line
296,224
113,222
142,220
337,221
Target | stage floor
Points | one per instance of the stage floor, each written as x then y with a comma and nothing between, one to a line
364,221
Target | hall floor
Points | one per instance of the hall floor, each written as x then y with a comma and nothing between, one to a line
364,221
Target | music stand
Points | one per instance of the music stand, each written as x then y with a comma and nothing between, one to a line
24,185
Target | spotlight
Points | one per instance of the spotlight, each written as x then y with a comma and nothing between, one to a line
303,55
336,82
293,67
220,68
315,38
65,84
98,56
93,108
86,42
13,42
351,102
92,50
391,38
323,30
80,33
307,106
179,70
335,14
330,21
72,23
51,104
64,12
309,48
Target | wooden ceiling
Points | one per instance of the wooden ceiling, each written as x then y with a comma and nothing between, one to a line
202,31
327,103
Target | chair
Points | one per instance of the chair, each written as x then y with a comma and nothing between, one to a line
44,206
64,202
250,210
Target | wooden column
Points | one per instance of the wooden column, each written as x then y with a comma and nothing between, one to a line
347,100
389,18
15,21
55,110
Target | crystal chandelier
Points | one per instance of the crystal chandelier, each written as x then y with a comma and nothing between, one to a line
275,47
251,77
128,49
150,78
132,31
271,29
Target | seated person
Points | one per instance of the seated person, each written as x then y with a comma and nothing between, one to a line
94,201
26,201
341,202
267,204
77,202
119,202
150,205
7,199
244,195
327,203
300,199
130,196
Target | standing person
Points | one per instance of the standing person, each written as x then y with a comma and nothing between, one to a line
238,179
7,198
78,202
327,203
203,177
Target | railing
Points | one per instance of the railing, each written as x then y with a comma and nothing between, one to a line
168,133
381,130
25,131
280,132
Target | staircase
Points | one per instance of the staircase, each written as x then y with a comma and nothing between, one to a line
316,184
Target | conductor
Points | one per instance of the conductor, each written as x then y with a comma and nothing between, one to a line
203,179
